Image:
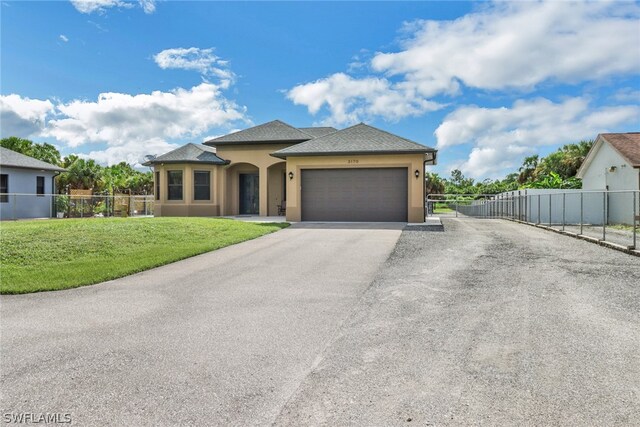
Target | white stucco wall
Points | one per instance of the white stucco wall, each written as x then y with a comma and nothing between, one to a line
23,202
597,175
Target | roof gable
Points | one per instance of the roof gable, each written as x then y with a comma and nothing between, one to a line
189,153
271,132
10,158
358,139
627,145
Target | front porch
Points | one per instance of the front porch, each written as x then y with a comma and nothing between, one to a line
250,189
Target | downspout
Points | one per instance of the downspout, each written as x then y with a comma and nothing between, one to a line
53,193
424,185
424,191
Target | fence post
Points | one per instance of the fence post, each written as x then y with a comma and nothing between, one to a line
456,206
13,206
581,211
538,221
550,195
81,207
564,199
604,215
633,221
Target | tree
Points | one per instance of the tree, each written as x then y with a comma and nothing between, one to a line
45,152
81,174
528,169
433,183
459,184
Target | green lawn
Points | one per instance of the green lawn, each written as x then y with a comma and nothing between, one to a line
49,255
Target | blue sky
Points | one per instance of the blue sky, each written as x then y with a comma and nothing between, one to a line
485,83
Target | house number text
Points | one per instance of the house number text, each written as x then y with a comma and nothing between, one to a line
352,161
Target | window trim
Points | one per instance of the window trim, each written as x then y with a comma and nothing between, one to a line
195,186
181,185
44,186
4,197
157,186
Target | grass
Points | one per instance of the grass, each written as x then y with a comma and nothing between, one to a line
442,210
623,227
48,255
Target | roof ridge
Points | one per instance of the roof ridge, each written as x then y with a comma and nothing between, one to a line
389,133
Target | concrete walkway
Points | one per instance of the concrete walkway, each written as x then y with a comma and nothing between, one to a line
224,338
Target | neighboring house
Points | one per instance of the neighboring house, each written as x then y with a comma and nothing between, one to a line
319,174
613,164
26,186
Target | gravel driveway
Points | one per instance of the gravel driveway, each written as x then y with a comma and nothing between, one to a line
480,322
487,323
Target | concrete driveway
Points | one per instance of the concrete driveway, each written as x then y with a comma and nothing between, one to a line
223,338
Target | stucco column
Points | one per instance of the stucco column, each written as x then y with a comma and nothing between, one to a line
221,187
264,187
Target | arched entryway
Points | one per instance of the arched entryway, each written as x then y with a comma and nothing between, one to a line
243,189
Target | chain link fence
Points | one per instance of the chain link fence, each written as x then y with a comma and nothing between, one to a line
602,216
30,206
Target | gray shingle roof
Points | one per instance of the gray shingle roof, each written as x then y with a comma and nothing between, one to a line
10,158
190,153
319,131
358,139
275,131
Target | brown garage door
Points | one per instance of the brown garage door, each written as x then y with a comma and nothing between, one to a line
368,195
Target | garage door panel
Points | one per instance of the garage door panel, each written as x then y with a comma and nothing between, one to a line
369,195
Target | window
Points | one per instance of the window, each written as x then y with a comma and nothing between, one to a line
157,185
4,188
201,185
40,185
174,185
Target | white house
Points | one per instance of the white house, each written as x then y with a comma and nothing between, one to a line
614,164
26,186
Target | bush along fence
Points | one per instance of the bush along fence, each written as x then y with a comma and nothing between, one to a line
611,218
25,206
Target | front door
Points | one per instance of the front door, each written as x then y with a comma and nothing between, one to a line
249,194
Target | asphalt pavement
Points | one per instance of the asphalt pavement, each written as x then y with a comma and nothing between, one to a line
223,338
476,322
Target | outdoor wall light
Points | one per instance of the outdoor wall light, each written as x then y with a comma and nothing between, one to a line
612,169
417,173
290,175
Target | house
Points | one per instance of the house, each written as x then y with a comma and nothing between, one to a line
26,186
360,173
613,163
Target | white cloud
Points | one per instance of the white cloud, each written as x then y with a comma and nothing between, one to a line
501,137
118,118
22,116
193,58
64,38
627,94
148,6
91,6
503,46
101,6
518,45
350,100
132,152
131,126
